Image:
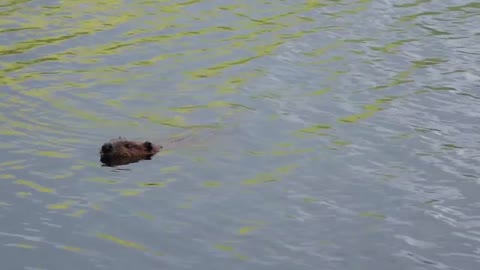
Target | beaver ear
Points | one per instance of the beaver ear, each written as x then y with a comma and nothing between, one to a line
148,145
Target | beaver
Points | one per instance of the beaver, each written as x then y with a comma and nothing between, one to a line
122,151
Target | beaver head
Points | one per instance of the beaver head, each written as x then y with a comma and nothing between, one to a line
122,152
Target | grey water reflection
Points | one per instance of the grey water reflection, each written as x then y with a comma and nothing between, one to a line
324,134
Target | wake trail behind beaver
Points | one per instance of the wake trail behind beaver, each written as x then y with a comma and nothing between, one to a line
201,137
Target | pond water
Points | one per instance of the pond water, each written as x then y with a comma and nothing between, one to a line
325,134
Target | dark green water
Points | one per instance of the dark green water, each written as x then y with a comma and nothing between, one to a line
328,134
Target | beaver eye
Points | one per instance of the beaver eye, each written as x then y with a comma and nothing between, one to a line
128,146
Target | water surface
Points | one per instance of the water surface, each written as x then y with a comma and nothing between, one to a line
327,134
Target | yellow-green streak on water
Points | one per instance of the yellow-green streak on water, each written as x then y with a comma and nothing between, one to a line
310,200
9,164
229,249
371,214
24,246
211,184
224,248
130,192
317,129
247,229
369,110
271,176
64,175
53,154
61,206
145,215
393,46
35,186
78,213
121,242
170,169
212,104
321,91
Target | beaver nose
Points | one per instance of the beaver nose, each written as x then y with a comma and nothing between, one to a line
148,145
107,148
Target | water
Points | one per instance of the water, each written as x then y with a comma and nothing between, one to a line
328,134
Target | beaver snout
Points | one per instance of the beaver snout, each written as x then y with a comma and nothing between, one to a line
148,145
107,148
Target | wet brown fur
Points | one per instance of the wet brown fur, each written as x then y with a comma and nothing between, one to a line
122,151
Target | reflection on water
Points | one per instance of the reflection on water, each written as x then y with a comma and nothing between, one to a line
333,133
